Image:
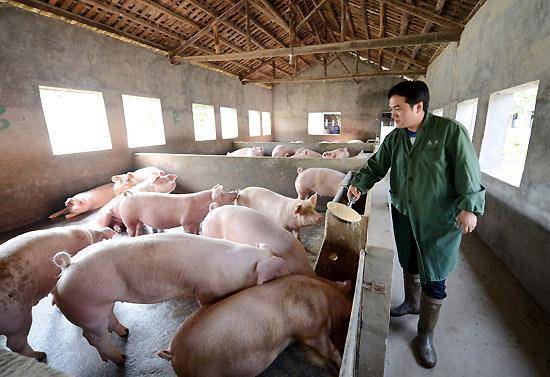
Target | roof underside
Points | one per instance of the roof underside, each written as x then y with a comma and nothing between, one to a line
212,27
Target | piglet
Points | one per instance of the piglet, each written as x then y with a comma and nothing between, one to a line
109,215
290,213
86,201
322,181
243,334
27,275
151,269
282,151
247,152
337,153
126,181
306,153
163,211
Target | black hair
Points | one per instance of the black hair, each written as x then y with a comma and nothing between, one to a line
413,91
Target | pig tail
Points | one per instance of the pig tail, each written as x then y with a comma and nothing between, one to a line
62,259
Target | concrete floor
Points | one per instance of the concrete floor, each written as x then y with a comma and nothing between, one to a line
488,325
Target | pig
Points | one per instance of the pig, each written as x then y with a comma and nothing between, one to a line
290,213
163,211
86,201
282,151
337,153
150,269
322,181
306,153
244,333
108,215
126,181
247,152
27,275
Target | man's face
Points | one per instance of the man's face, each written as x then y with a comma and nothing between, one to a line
402,113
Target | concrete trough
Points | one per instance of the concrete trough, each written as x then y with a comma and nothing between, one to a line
353,147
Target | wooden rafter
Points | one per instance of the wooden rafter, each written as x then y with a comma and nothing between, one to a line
405,19
425,15
382,29
311,13
407,40
343,16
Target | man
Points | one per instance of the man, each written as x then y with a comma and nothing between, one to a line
436,195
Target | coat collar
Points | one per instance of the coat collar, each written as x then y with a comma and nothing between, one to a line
426,123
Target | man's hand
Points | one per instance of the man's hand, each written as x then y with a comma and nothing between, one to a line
466,221
353,192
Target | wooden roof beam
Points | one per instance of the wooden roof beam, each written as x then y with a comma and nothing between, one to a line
272,13
311,13
405,19
337,77
406,40
365,22
382,29
424,14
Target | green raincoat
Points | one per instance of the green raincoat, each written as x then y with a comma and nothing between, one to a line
430,182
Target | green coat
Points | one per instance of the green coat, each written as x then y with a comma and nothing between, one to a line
430,182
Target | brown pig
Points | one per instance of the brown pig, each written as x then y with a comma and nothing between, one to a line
306,153
86,201
163,211
242,335
126,181
290,213
27,275
282,151
247,152
151,269
337,153
322,181
109,215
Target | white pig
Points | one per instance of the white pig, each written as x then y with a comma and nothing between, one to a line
241,335
27,275
322,181
151,269
109,215
282,151
164,211
337,153
306,153
247,152
290,213
126,181
86,201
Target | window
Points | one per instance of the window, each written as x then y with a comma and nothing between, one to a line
230,124
466,114
507,132
266,123
143,117
204,122
324,123
438,112
76,120
254,123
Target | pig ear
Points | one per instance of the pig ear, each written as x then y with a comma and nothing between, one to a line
130,175
313,199
117,178
297,210
271,268
216,190
171,177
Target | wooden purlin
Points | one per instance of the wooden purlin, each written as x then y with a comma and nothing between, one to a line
422,13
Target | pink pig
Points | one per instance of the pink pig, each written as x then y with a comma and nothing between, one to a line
322,181
126,181
151,269
86,201
290,213
247,152
109,215
163,211
337,153
306,153
282,151
242,334
27,275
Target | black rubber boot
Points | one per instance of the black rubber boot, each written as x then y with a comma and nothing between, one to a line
429,313
411,305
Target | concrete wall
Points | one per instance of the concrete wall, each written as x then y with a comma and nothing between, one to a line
38,50
360,104
506,44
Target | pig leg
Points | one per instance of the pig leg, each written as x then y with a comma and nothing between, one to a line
140,228
104,221
117,327
191,228
324,346
71,215
57,214
106,349
17,340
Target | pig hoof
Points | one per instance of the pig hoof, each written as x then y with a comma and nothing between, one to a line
40,356
120,362
124,334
